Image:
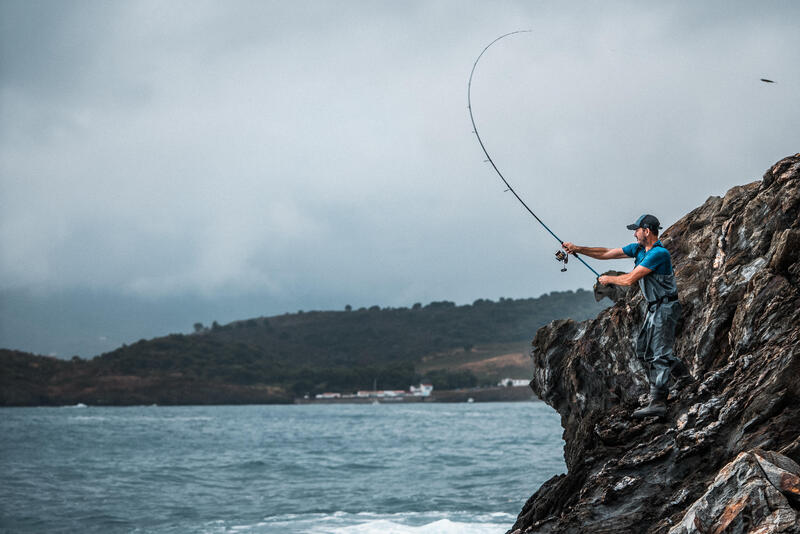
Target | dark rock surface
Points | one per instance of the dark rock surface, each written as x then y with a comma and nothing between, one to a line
756,491
706,466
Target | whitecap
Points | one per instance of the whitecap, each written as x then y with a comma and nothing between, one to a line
387,523
442,526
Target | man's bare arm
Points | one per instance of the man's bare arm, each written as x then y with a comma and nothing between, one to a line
626,279
598,253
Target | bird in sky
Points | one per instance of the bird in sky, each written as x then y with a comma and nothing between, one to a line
766,80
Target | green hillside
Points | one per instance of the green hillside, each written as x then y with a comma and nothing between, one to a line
276,358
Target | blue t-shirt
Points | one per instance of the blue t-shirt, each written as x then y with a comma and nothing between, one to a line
657,259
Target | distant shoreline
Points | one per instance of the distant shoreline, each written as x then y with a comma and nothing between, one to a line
487,394
491,394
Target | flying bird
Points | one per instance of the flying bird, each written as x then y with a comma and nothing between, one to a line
766,80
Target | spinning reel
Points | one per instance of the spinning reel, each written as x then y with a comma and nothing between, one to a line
562,257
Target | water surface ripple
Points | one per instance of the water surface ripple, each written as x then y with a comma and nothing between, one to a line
275,469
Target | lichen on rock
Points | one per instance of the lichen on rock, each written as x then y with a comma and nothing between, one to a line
724,458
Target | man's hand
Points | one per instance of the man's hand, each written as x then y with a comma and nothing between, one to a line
571,248
603,279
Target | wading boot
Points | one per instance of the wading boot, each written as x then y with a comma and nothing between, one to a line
656,408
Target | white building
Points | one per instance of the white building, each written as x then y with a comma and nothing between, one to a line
381,393
423,390
328,396
513,382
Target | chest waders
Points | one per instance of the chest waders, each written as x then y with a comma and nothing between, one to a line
657,336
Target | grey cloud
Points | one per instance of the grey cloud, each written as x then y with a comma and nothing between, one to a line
318,151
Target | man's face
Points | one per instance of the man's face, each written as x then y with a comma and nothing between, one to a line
641,235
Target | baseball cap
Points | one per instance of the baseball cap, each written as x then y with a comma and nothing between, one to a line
645,221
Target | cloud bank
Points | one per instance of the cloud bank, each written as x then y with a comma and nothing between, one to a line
317,152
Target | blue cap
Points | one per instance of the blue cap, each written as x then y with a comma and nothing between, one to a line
646,221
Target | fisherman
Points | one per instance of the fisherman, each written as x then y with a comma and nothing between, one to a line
653,271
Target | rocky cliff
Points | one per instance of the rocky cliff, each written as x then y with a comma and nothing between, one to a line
725,457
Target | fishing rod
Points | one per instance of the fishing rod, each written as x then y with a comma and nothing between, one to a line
560,255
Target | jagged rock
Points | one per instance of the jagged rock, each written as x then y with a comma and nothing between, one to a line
754,493
737,265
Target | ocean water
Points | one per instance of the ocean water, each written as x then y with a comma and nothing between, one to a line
344,469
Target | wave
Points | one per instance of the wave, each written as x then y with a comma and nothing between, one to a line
376,523
442,526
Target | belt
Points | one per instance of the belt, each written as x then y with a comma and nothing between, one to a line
651,305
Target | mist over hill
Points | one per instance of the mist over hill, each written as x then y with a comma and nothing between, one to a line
87,322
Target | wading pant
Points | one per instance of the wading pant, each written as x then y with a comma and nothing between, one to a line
654,344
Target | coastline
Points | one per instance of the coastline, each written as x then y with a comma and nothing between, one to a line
491,394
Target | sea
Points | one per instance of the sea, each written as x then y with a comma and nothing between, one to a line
420,468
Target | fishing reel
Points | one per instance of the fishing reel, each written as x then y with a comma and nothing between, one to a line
562,257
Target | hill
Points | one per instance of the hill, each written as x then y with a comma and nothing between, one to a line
273,359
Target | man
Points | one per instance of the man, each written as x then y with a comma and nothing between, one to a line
653,271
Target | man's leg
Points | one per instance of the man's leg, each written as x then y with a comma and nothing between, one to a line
660,358
646,346
663,341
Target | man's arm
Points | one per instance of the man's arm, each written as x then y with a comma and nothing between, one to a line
598,253
626,279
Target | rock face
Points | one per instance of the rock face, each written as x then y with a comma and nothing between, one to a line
724,458
755,491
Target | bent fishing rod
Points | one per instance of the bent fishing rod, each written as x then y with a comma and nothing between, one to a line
560,255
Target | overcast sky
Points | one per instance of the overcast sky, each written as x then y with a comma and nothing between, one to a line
317,154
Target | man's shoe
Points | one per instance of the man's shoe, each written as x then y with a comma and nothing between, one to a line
656,408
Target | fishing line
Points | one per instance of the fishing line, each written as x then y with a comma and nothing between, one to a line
560,257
